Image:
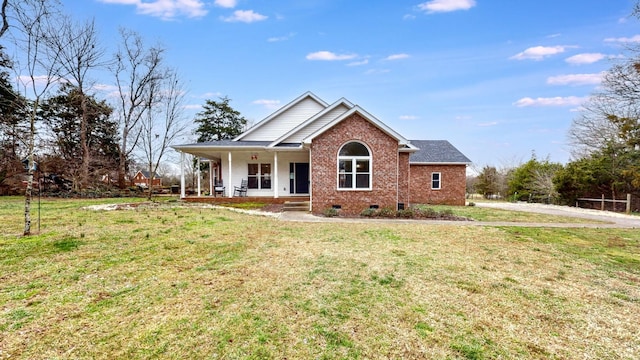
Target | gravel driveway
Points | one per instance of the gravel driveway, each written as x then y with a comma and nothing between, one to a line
602,219
615,220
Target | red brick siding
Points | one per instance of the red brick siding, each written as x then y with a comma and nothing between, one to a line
452,184
384,167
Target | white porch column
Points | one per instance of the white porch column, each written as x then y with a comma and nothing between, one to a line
199,175
276,187
182,190
229,179
210,177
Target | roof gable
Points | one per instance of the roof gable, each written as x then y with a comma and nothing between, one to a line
315,122
368,117
285,119
437,152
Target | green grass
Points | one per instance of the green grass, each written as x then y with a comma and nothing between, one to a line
163,281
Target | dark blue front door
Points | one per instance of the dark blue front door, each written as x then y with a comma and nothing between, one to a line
298,178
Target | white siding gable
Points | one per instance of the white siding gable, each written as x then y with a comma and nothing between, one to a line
285,121
318,123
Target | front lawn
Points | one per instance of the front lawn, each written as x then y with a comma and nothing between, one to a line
186,282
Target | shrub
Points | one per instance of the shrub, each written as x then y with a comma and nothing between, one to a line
471,203
427,212
387,212
330,212
368,212
405,213
446,213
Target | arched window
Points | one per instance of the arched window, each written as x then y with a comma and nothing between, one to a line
354,166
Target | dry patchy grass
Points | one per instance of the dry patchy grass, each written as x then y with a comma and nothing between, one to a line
186,282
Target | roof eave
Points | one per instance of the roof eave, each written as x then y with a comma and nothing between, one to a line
440,163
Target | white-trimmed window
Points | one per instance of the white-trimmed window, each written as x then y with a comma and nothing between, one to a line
259,176
436,180
354,167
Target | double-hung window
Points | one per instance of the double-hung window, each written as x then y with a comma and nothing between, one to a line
436,179
354,167
259,176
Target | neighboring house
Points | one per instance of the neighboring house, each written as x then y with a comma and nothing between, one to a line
143,177
338,155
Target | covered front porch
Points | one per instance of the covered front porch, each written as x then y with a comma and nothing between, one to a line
279,173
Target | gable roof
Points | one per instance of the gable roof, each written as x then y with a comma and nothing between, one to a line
407,146
147,174
437,152
315,122
285,119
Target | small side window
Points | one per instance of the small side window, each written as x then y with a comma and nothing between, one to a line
435,181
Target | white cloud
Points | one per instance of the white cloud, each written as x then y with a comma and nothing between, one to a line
269,104
408,17
245,16
553,101
487,124
587,58
397,57
105,88
210,95
539,52
329,56
226,3
40,80
436,6
575,79
359,63
633,39
281,38
165,9
409,117
377,71
193,106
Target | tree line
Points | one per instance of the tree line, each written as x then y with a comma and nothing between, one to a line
55,128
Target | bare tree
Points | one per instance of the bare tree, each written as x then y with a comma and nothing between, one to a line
165,124
592,130
137,69
80,52
42,68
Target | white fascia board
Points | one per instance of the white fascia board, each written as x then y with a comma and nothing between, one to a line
280,111
409,149
372,119
309,121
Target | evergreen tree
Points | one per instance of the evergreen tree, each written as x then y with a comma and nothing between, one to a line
219,121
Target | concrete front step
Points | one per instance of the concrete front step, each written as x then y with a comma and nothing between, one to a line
296,206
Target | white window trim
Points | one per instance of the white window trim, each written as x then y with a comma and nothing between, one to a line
259,176
354,159
439,181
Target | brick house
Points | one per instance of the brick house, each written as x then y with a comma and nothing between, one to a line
336,155
143,177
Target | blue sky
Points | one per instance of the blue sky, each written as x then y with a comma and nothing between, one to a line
498,79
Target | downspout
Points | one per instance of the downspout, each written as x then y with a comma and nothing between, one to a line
310,181
397,179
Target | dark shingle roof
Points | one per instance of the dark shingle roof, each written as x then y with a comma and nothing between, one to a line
437,151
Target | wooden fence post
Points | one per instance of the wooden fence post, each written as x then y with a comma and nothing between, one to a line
602,203
628,211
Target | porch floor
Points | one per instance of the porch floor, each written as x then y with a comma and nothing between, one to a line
238,199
